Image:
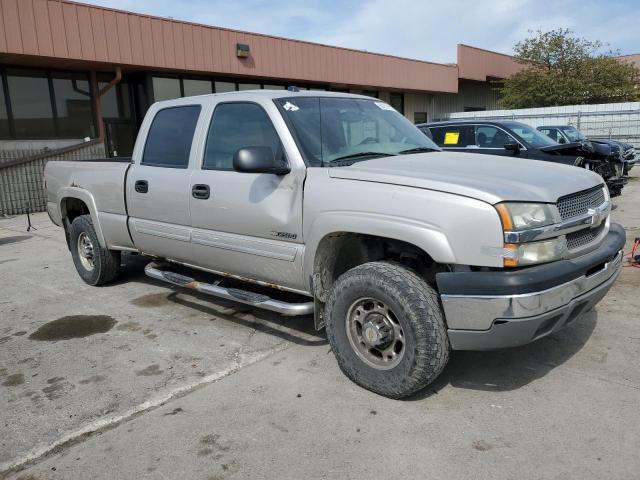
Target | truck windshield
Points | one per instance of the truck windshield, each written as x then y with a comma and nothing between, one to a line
573,134
340,131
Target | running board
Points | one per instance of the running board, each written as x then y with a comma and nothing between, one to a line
154,270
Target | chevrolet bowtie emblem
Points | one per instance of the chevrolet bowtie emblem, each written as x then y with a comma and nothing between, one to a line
597,216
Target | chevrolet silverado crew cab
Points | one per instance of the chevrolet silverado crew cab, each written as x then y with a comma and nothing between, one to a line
402,251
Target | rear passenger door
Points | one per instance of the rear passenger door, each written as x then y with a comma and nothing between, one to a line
249,224
158,184
454,137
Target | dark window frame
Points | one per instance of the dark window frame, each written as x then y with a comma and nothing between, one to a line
206,143
49,75
401,96
146,142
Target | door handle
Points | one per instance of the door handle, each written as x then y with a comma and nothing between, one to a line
142,186
201,192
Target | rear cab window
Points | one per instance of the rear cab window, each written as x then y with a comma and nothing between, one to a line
170,137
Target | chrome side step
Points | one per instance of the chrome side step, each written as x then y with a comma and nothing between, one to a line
154,270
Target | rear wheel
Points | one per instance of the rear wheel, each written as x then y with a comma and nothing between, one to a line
386,329
95,265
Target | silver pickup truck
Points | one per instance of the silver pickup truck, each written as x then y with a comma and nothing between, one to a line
401,251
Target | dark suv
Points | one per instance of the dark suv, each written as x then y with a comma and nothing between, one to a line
515,139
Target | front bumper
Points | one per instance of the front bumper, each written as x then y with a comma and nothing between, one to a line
491,310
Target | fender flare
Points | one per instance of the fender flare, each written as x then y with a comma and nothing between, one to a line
421,234
89,201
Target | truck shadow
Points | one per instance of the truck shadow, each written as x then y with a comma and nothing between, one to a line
297,330
513,368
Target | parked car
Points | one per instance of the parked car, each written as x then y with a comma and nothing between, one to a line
402,251
515,139
569,134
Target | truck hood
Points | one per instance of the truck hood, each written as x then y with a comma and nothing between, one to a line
489,178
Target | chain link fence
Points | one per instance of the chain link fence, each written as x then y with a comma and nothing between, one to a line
22,175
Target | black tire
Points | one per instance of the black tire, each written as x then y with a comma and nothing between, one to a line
106,263
416,308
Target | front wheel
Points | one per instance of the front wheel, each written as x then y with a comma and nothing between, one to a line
386,329
95,265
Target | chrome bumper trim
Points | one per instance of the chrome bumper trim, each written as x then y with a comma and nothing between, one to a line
467,312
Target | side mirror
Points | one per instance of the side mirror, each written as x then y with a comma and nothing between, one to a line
258,160
512,147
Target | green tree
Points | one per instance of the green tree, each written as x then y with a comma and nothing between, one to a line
561,69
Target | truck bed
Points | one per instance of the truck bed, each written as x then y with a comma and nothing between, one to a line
100,182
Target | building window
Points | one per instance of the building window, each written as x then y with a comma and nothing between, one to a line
166,88
196,87
420,117
73,105
4,117
31,106
396,100
268,86
222,87
474,109
116,103
370,93
43,105
248,86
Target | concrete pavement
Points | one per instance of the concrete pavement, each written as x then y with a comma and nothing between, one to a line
155,383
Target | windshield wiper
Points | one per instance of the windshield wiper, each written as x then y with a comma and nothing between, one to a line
355,156
417,150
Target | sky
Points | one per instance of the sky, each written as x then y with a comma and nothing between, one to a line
420,29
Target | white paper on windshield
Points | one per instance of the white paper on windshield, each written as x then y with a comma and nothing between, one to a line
384,106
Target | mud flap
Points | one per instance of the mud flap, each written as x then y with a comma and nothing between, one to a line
318,314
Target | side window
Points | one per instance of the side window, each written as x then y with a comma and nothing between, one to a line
235,126
492,137
551,133
170,137
454,136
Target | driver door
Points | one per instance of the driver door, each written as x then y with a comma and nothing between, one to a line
248,224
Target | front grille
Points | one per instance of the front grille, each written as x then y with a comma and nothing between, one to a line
583,237
579,203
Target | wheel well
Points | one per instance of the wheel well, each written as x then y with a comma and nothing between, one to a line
71,208
339,252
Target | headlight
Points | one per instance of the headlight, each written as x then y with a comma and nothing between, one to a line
518,255
524,216
516,219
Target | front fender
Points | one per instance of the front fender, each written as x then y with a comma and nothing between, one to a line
423,235
88,199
